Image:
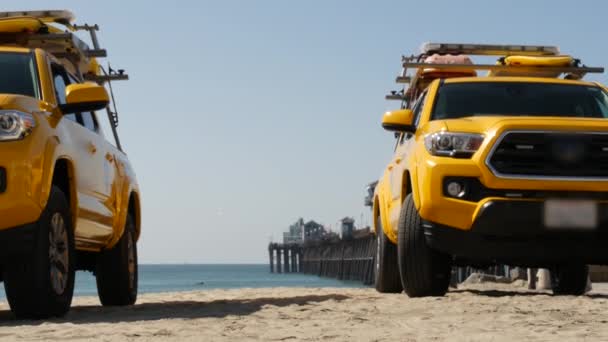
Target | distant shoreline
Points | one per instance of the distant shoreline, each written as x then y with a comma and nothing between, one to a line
162,278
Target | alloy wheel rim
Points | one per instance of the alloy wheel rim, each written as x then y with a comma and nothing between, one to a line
58,253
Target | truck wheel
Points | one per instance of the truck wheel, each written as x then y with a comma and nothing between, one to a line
424,271
116,271
41,284
387,272
569,279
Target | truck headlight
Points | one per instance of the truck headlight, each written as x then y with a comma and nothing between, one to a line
450,144
15,125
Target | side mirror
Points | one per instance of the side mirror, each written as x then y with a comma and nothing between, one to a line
401,120
85,97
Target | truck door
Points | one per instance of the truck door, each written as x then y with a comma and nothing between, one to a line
108,188
93,219
114,177
399,166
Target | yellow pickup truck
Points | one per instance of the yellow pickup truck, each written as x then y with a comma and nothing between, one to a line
69,199
508,167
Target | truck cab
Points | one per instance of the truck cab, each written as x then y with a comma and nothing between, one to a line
69,197
507,167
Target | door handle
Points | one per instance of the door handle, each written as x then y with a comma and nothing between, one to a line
92,148
109,157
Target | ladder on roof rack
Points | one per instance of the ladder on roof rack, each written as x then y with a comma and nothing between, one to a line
104,77
410,91
62,45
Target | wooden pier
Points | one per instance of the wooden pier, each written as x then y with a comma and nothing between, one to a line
348,259
354,259
351,259
309,248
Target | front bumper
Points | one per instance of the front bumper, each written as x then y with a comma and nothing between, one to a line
513,232
21,183
433,204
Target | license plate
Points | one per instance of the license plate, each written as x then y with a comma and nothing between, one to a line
573,214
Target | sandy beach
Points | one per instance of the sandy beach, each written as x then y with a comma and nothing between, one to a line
486,312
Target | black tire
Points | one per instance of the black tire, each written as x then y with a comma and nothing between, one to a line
569,279
116,271
41,284
387,272
424,271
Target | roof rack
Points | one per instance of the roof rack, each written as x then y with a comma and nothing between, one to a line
489,49
493,67
412,83
61,44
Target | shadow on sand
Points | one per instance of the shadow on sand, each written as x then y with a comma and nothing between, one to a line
169,310
507,293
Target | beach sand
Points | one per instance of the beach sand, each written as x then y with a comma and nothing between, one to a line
482,312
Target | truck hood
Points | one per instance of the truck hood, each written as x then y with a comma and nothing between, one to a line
20,102
492,124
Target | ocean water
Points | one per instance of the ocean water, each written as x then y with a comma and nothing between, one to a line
170,278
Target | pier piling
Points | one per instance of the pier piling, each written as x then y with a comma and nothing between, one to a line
271,257
286,257
279,269
294,265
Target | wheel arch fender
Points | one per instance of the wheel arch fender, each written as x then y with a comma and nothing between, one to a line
128,203
375,214
50,157
134,208
379,209
56,161
414,189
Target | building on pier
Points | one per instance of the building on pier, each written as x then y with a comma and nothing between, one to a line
295,234
314,231
301,232
347,228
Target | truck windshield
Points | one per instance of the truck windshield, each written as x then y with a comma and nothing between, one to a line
456,100
18,74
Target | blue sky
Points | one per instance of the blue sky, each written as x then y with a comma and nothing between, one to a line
242,116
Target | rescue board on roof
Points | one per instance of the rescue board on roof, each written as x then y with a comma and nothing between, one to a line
22,24
35,21
48,16
532,61
432,73
426,75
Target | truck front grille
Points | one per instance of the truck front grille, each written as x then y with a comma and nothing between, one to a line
550,155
